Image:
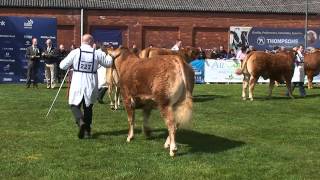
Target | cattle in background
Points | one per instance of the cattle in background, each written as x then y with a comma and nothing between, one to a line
187,53
276,67
158,82
312,66
113,88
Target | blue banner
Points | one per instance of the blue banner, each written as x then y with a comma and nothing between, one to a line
198,67
268,38
15,36
108,36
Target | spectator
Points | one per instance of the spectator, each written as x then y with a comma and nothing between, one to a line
134,49
231,54
72,47
61,54
33,54
202,54
50,60
213,54
241,54
177,46
222,53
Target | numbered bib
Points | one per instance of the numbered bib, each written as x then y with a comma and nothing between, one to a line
86,62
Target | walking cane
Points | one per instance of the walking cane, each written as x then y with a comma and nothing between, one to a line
55,98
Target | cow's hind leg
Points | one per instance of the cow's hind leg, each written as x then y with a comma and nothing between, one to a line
289,87
146,126
169,117
271,86
252,83
310,79
245,83
131,117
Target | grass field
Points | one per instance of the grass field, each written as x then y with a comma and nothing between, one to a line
230,138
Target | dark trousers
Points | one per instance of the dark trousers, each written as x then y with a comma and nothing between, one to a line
60,73
32,72
301,88
85,117
101,93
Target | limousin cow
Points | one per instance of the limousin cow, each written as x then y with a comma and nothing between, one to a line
158,82
188,54
312,66
277,67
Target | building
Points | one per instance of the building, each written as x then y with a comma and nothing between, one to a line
201,23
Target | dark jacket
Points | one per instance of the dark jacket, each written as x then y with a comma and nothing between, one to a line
61,55
33,55
222,54
50,57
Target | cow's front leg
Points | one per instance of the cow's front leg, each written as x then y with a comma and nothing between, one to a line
252,83
271,86
289,87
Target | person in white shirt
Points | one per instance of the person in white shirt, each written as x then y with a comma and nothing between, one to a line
177,46
102,78
84,84
299,75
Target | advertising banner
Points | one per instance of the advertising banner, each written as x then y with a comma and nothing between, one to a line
223,71
268,38
198,67
108,36
15,36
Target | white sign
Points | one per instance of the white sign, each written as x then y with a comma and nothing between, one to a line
223,71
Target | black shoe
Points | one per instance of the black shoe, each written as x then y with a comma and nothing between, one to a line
35,86
28,86
87,133
100,101
82,130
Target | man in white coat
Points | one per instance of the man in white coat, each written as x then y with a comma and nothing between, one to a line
299,75
84,84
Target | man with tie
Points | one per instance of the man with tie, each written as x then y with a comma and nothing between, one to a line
33,54
50,59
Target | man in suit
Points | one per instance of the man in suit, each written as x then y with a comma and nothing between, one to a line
61,54
33,54
50,59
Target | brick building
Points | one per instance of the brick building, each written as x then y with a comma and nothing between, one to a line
203,23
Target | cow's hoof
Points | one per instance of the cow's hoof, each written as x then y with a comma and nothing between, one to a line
244,99
173,152
129,139
166,145
251,99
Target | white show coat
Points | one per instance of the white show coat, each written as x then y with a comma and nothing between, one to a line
298,75
102,75
84,83
175,48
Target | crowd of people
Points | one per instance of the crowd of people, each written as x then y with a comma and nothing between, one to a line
52,57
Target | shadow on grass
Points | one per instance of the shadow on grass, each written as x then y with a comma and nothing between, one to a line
204,98
197,141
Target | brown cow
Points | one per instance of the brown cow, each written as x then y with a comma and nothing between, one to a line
160,83
188,54
276,67
312,66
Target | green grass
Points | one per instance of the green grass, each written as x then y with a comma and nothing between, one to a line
230,138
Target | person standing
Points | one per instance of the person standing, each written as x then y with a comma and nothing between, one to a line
177,46
84,84
50,59
222,53
102,78
33,54
299,75
61,54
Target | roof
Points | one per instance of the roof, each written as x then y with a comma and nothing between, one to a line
253,6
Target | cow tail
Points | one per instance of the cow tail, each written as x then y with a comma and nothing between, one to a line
244,63
183,109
